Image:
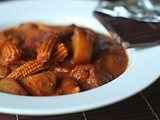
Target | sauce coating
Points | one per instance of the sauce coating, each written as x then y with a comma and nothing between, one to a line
44,60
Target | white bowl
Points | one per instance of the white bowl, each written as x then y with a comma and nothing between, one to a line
143,69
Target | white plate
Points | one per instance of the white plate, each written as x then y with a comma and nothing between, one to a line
143,66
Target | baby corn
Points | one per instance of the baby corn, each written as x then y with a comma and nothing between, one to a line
60,54
26,69
11,52
46,48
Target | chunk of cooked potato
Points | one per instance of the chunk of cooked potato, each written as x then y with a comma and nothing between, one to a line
68,86
3,39
4,71
41,84
11,86
82,46
2,62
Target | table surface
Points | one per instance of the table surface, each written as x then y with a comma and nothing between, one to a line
143,106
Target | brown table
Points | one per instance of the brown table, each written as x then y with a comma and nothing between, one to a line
142,106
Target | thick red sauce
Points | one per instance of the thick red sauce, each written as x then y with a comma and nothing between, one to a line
44,60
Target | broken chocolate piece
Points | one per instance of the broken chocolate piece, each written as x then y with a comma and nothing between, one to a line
131,33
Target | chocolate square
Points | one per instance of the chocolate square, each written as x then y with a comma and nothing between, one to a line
129,32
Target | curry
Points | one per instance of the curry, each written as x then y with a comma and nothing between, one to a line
43,60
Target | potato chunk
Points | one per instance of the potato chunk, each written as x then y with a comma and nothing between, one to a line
2,62
68,86
82,46
3,39
4,71
41,84
11,86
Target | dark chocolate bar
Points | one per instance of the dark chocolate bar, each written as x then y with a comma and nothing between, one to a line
131,33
